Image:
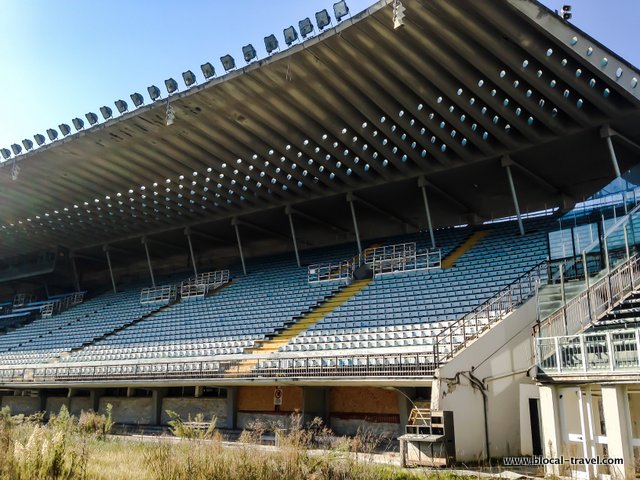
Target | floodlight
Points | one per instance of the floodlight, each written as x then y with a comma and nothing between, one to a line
249,53
154,92
271,43
322,19
171,85
39,139
65,129
121,105
290,35
398,14
52,134
207,70
5,153
106,112
16,149
137,99
28,144
566,12
340,9
228,62
189,78
78,123
306,27
92,118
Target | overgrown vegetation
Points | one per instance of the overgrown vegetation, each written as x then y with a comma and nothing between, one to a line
73,448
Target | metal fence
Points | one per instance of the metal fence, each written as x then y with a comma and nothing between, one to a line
158,295
590,305
457,335
201,284
330,272
388,365
610,351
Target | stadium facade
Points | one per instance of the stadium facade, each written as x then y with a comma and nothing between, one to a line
346,229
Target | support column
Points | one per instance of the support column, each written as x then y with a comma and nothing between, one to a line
422,183
355,221
506,163
617,420
403,410
587,429
234,222
113,280
157,395
232,410
293,233
146,249
94,398
605,132
551,431
74,269
187,232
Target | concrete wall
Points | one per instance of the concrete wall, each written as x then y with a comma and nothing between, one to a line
75,405
135,410
500,358
186,407
373,409
21,405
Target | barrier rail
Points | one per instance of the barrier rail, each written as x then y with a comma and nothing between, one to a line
388,365
400,258
162,295
386,260
458,334
599,352
590,305
201,284
330,272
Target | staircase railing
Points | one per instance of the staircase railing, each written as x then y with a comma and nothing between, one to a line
592,304
457,335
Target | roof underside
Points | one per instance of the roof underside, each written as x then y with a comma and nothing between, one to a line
361,108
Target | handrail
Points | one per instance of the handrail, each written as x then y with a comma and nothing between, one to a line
593,303
471,325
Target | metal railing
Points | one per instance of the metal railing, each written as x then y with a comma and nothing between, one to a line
592,304
400,258
384,365
330,272
386,260
164,294
201,284
458,334
596,353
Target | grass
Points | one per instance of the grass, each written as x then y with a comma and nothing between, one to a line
71,448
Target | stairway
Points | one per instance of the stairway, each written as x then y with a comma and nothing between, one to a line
625,315
550,296
450,260
305,322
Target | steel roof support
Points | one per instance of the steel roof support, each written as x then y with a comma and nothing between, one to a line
234,222
350,199
187,232
423,186
74,269
506,163
113,280
146,249
289,213
606,133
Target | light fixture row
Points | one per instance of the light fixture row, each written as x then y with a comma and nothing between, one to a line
323,19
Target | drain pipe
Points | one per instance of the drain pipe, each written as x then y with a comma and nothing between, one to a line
479,385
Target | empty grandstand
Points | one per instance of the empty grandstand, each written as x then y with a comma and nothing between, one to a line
370,220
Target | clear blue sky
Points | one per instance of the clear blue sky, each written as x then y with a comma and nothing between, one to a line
62,59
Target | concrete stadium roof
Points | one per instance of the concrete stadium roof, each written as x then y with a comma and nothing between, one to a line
457,93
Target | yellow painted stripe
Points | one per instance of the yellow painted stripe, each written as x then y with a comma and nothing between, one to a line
450,260
310,319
